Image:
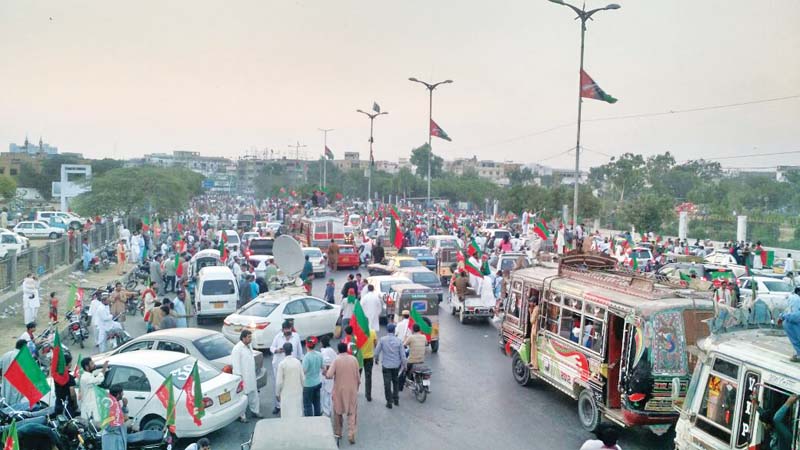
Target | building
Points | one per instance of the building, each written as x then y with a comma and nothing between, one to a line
206,165
352,160
30,149
494,171
11,163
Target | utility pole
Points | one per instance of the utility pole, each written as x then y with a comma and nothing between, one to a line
324,154
297,148
371,158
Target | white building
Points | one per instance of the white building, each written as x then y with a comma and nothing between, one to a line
43,149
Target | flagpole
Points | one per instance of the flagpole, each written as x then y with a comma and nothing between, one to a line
325,155
371,140
583,15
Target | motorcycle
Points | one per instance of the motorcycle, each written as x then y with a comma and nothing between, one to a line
44,347
76,326
419,381
141,274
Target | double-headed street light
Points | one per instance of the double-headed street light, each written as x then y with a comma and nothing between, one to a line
583,15
372,117
430,87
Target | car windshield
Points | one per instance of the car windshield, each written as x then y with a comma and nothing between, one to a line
313,253
409,263
424,278
420,252
214,346
182,369
447,243
640,254
218,287
507,263
778,286
259,309
347,250
233,238
261,246
386,285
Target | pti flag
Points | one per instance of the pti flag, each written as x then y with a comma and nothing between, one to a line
437,131
328,153
590,89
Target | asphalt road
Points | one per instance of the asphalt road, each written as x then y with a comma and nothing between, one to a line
474,404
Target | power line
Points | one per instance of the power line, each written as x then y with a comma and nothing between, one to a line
752,155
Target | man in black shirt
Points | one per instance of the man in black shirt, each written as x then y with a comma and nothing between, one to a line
66,392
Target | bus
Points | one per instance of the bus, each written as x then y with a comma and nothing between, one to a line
318,231
615,341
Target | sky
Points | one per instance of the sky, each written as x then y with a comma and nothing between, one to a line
113,78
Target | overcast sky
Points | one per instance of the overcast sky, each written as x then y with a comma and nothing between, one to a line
123,78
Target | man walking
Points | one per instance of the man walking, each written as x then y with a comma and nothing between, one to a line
333,255
344,372
244,365
155,274
372,305
312,368
394,359
290,381
286,335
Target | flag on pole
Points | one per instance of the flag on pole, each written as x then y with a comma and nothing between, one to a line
101,396
26,376
541,230
223,247
437,131
145,224
416,318
590,89
166,396
471,268
396,234
10,437
194,396
473,249
376,107
75,299
58,365
76,372
328,153
360,326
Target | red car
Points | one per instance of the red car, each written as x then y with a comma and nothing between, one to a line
348,257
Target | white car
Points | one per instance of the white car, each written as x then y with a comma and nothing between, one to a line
383,284
249,235
141,373
208,346
37,229
12,241
318,260
233,239
265,314
69,219
725,259
773,291
438,242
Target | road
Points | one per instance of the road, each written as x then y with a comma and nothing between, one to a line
474,404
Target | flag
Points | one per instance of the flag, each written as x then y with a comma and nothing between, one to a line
199,226
396,234
165,394
394,213
541,230
328,153
145,224
590,89
416,318
685,277
471,268
767,257
194,396
157,229
223,248
178,265
75,299
76,372
635,264
10,437
180,227
360,326
26,376
376,107
437,131
58,365
473,249
101,396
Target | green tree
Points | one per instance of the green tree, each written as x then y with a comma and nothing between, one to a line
622,175
648,213
8,187
520,176
419,158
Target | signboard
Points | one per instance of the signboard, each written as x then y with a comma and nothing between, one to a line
208,184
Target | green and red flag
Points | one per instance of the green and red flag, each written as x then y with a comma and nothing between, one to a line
10,437
416,318
178,265
166,396
103,400
75,298
145,224
396,233
474,249
635,263
394,213
194,396
767,257
471,268
590,89
26,376
328,153
437,131
76,372
685,277
360,326
541,230
157,229
58,365
223,247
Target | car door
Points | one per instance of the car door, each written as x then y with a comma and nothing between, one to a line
321,315
296,310
135,386
39,229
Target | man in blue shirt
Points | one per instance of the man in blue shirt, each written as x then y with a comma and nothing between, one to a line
390,349
308,269
791,322
179,306
312,367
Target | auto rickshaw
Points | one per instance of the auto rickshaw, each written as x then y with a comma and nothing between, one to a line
446,262
422,299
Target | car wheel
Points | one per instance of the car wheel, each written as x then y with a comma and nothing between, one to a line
588,411
53,235
461,317
155,423
520,370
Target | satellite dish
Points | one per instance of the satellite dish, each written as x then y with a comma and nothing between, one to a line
288,255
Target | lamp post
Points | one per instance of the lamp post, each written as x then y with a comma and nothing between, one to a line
371,140
324,154
583,15
430,88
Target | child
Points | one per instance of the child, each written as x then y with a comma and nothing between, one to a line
53,307
330,288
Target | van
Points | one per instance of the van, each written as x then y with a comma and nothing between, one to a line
232,238
61,219
217,292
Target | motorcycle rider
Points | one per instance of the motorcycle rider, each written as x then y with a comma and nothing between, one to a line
105,323
416,343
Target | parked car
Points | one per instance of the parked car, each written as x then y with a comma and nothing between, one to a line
141,373
217,292
725,259
318,260
265,314
208,346
68,219
438,242
12,241
393,265
773,291
37,229
348,257
383,285
423,276
421,254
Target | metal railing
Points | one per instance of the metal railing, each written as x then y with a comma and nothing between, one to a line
52,256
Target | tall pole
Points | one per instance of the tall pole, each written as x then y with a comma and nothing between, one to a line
324,155
371,140
583,15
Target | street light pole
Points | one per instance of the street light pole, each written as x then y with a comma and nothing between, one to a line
371,140
583,15
324,154
430,87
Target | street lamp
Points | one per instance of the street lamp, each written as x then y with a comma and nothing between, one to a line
430,88
583,15
324,154
372,117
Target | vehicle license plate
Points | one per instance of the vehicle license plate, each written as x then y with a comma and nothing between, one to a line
426,382
225,397
219,305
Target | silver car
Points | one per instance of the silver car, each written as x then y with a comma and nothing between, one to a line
206,345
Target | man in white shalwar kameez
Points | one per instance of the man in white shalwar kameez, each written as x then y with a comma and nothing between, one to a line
244,365
30,298
474,281
290,380
105,324
326,397
560,241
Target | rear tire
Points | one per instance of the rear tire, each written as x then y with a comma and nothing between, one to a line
421,394
434,346
130,285
588,411
152,423
520,370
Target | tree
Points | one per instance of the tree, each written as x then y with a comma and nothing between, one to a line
648,212
623,174
419,158
8,187
520,176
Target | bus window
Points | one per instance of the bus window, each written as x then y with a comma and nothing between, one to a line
719,401
593,333
570,326
777,411
551,317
